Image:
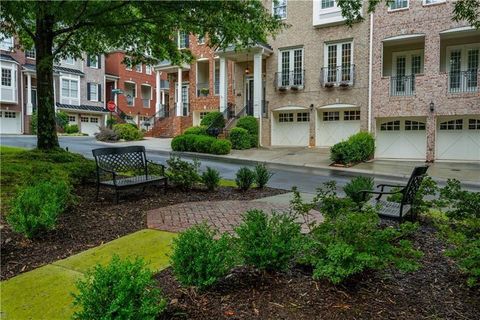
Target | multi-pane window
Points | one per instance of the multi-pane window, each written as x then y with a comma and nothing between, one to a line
72,119
291,67
148,69
216,78
69,60
84,119
432,1
9,114
285,117
69,88
182,40
390,126
30,54
328,4
203,114
463,65
351,115
411,125
472,67
406,65
6,43
474,124
398,4
303,117
452,125
92,92
93,61
94,120
138,67
338,62
7,77
280,9
331,116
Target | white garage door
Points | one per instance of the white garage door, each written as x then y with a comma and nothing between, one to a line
10,122
458,139
401,139
90,125
335,126
290,128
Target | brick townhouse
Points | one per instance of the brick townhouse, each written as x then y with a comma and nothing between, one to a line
192,90
425,90
78,89
138,85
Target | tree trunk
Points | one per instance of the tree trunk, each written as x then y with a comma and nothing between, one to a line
46,127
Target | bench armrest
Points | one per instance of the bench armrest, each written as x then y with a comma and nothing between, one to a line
380,193
113,173
162,167
383,185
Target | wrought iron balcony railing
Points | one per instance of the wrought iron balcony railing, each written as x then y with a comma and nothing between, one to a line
294,80
402,85
463,81
339,76
203,89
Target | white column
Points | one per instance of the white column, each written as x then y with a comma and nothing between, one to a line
158,101
179,93
163,98
29,94
223,84
257,84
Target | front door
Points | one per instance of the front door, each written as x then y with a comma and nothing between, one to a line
249,96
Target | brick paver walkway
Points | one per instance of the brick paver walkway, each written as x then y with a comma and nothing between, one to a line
222,215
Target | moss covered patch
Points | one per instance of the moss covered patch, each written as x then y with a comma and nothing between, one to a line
45,293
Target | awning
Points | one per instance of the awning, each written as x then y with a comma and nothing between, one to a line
339,106
290,108
405,37
467,31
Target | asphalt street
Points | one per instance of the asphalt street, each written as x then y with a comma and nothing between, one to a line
306,179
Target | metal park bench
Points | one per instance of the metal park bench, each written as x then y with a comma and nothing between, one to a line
397,210
126,167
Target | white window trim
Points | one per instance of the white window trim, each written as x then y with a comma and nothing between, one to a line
141,68
400,9
70,78
9,48
151,90
34,53
408,62
291,62
339,52
335,8
93,84
65,61
148,69
424,2
286,10
178,40
96,62
464,58
13,82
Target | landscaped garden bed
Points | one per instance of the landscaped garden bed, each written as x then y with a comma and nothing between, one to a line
435,291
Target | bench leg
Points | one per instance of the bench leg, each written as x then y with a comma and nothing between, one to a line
98,191
165,186
116,196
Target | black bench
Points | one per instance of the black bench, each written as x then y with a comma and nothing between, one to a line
404,208
126,167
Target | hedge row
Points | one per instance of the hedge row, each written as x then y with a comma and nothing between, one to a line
201,144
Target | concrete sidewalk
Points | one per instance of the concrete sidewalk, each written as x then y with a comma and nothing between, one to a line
318,158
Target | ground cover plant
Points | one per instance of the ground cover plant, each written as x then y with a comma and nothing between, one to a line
123,289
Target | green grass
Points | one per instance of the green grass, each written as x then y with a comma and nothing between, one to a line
227,183
45,293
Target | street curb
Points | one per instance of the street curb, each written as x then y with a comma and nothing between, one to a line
348,172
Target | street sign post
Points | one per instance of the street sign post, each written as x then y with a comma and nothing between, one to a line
111,106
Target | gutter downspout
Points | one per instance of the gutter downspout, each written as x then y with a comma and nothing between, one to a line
22,126
370,67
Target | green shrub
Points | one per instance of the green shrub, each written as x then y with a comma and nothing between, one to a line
262,175
111,121
330,204
128,132
357,148
244,178
221,146
422,203
461,204
203,144
34,122
183,174
37,207
106,135
211,178
269,243
61,118
213,119
184,143
198,130
353,188
123,289
352,243
71,128
250,124
240,138
200,260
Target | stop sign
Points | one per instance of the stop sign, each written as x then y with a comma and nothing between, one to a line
111,106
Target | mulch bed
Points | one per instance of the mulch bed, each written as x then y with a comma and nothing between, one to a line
89,223
436,291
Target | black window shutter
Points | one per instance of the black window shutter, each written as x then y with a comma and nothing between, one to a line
88,61
99,57
99,92
88,91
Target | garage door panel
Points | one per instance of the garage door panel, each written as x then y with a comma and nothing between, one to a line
330,133
290,134
456,140
90,124
10,122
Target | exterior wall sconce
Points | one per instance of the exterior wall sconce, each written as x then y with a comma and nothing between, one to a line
247,70
311,107
432,106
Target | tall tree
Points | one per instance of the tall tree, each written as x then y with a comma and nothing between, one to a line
146,30
467,10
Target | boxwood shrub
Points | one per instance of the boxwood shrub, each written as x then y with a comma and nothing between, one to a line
198,130
128,132
250,124
357,148
240,138
213,119
200,143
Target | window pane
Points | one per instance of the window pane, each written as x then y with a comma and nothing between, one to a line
285,67
455,68
65,88
297,67
346,61
73,89
327,4
7,77
332,63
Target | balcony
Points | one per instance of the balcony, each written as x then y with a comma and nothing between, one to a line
402,86
340,76
146,103
463,81
203,89
293,80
